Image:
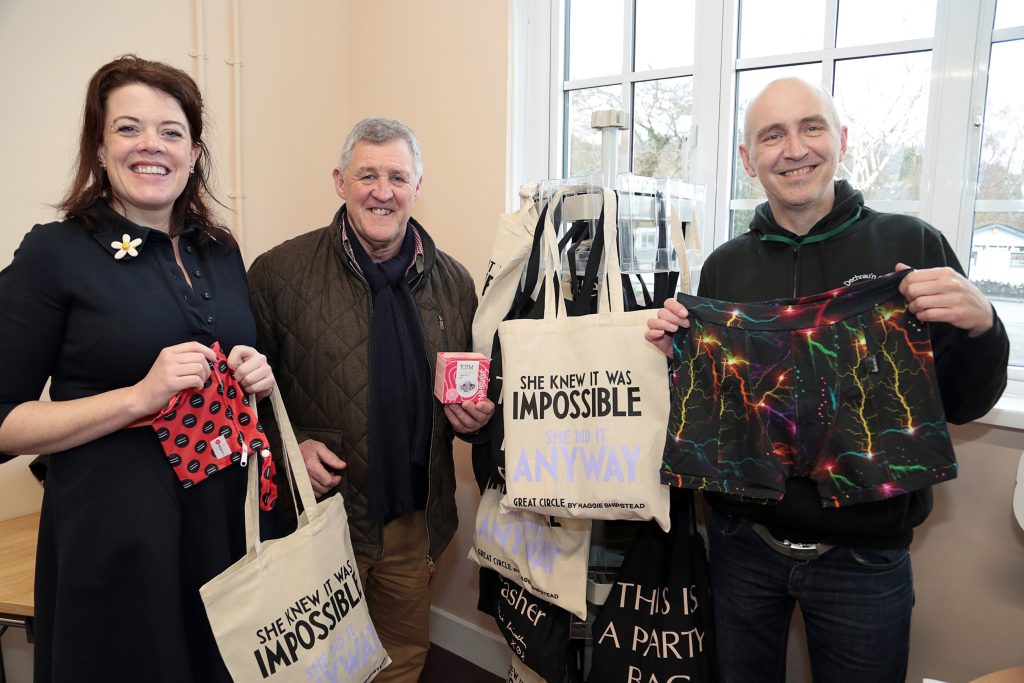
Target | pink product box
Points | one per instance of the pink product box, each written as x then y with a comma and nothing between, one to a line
461,377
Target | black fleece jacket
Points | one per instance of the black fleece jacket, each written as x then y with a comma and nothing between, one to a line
853,242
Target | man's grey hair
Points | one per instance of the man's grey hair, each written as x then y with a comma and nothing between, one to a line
378,130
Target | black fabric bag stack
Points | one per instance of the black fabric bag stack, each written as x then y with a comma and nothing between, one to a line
656,624
535,630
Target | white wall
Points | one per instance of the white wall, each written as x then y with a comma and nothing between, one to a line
292,118
969,564
968,560
50,48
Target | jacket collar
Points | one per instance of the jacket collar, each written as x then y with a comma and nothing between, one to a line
426,251
112,227
846,210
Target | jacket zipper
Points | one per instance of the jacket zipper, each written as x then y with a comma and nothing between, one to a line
796,277
444,332
430,449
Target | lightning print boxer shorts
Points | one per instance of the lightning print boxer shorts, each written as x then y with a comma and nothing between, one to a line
839,387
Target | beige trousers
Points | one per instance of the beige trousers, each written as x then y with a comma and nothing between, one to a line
397,588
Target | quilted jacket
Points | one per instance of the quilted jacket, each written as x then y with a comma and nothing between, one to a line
312,309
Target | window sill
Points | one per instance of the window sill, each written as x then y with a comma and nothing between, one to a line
1009,413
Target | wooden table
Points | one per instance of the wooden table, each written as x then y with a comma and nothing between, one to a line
17,575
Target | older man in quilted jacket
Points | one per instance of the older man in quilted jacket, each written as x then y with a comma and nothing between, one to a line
352,316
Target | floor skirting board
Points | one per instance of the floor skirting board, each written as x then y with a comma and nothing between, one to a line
469,641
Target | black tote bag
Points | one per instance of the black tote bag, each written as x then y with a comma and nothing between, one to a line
535,630
657,622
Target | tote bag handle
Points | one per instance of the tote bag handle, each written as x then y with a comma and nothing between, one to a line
683,243
295,469
610,294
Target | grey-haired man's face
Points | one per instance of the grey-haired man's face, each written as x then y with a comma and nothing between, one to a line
379,187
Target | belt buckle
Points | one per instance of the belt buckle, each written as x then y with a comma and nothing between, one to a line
795,551
802,551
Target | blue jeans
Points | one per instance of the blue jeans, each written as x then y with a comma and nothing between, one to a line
856,605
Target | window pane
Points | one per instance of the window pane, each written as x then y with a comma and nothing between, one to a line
741,222
1009,13
661,120
584,148
775,27
884,103
861,23
595,38
1002,144
997,267
664,34
749,83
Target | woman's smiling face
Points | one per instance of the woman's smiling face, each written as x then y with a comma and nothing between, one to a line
148,153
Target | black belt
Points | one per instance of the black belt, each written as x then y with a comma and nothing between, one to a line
796,551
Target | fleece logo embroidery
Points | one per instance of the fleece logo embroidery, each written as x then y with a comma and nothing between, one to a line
855,278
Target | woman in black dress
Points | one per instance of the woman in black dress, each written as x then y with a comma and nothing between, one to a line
118,305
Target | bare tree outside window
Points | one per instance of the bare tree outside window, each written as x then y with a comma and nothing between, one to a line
884,103
655,83
1001,175
661,122
584,143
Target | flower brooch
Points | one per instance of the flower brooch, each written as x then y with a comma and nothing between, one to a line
126,247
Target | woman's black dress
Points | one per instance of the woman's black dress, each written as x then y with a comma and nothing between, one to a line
123,548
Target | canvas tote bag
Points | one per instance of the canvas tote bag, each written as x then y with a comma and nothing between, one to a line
688,250
293,609
585,402
523,279
512,244
547,556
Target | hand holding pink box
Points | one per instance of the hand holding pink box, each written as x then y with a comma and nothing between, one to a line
461,377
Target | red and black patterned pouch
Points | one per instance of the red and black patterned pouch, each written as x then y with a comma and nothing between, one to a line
203,431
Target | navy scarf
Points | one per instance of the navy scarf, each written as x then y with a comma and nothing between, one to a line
400,400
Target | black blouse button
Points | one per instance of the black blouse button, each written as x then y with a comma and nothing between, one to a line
197,273
206,295
187,298
209,319
188,249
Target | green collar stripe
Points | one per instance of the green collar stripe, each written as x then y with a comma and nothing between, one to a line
815,238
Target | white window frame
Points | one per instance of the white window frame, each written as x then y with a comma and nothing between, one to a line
1012,405
947,197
